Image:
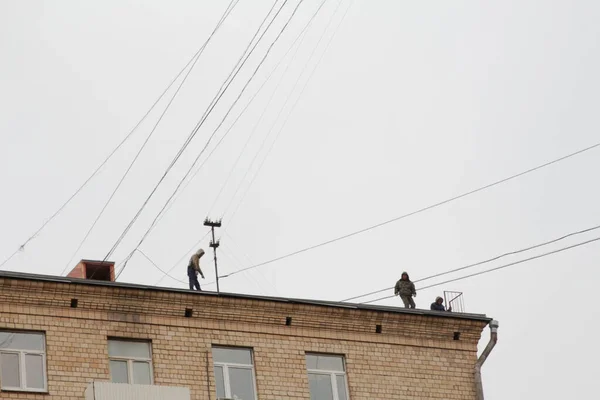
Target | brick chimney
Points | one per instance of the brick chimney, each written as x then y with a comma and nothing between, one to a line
95,270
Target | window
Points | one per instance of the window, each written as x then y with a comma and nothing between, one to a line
234,373
130,362
326,377
23,361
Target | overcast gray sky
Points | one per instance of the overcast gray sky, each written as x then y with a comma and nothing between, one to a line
412,103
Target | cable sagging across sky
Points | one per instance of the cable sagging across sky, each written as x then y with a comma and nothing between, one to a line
282,127
498,268
484,261
229,9
229,111
270,75
208,111
112,153
187,253
418,211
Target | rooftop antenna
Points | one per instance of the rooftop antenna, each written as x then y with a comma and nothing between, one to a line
214,243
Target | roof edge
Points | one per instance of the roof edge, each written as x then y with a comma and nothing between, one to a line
315,302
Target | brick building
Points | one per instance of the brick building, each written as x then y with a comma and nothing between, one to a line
58,335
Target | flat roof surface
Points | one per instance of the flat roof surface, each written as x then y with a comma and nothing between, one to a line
324,303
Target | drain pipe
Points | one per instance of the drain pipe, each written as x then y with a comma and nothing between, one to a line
486,352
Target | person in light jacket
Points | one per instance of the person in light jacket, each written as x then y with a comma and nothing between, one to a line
406,290
193,270
438,305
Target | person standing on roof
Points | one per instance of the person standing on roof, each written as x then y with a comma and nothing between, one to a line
406,290
439,306
193,270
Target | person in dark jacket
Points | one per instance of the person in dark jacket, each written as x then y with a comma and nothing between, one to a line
438,305
193,270
406,290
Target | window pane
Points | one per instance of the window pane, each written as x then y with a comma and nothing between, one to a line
229,355
22,341
127,349
341,387
320,387
141,373
220,382
9,365
326,363
118,371
311,361
34,371
242,383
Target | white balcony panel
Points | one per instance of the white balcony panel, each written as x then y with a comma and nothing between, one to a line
123,391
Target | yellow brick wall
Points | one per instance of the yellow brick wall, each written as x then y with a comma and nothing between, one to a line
415,357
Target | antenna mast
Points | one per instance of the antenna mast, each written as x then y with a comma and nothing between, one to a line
214,243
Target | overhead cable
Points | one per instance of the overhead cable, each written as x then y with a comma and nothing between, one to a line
497,268
187,253
208,111
230,109
156,219
418,211
242,112
483,262
260,118
228,253
105,161
229,9
159,268
293,107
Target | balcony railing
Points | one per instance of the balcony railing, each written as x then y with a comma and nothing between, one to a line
454,300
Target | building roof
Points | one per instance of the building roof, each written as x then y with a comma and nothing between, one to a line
324,303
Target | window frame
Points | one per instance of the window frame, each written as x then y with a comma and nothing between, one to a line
333,374
226,365
22,354
131,360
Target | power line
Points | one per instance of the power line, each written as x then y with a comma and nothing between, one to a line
242,113
229,254
13,254
267,280
260,118
230,108
282,127
483,262
157,267
228,11
183,257
236,120
272,285
228,112
103,163
208,111
429,207
497,268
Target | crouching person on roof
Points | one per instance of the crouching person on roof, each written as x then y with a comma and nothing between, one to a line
438,305
193,270
406,290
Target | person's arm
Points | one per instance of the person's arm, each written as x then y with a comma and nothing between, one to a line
413,289
397,288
